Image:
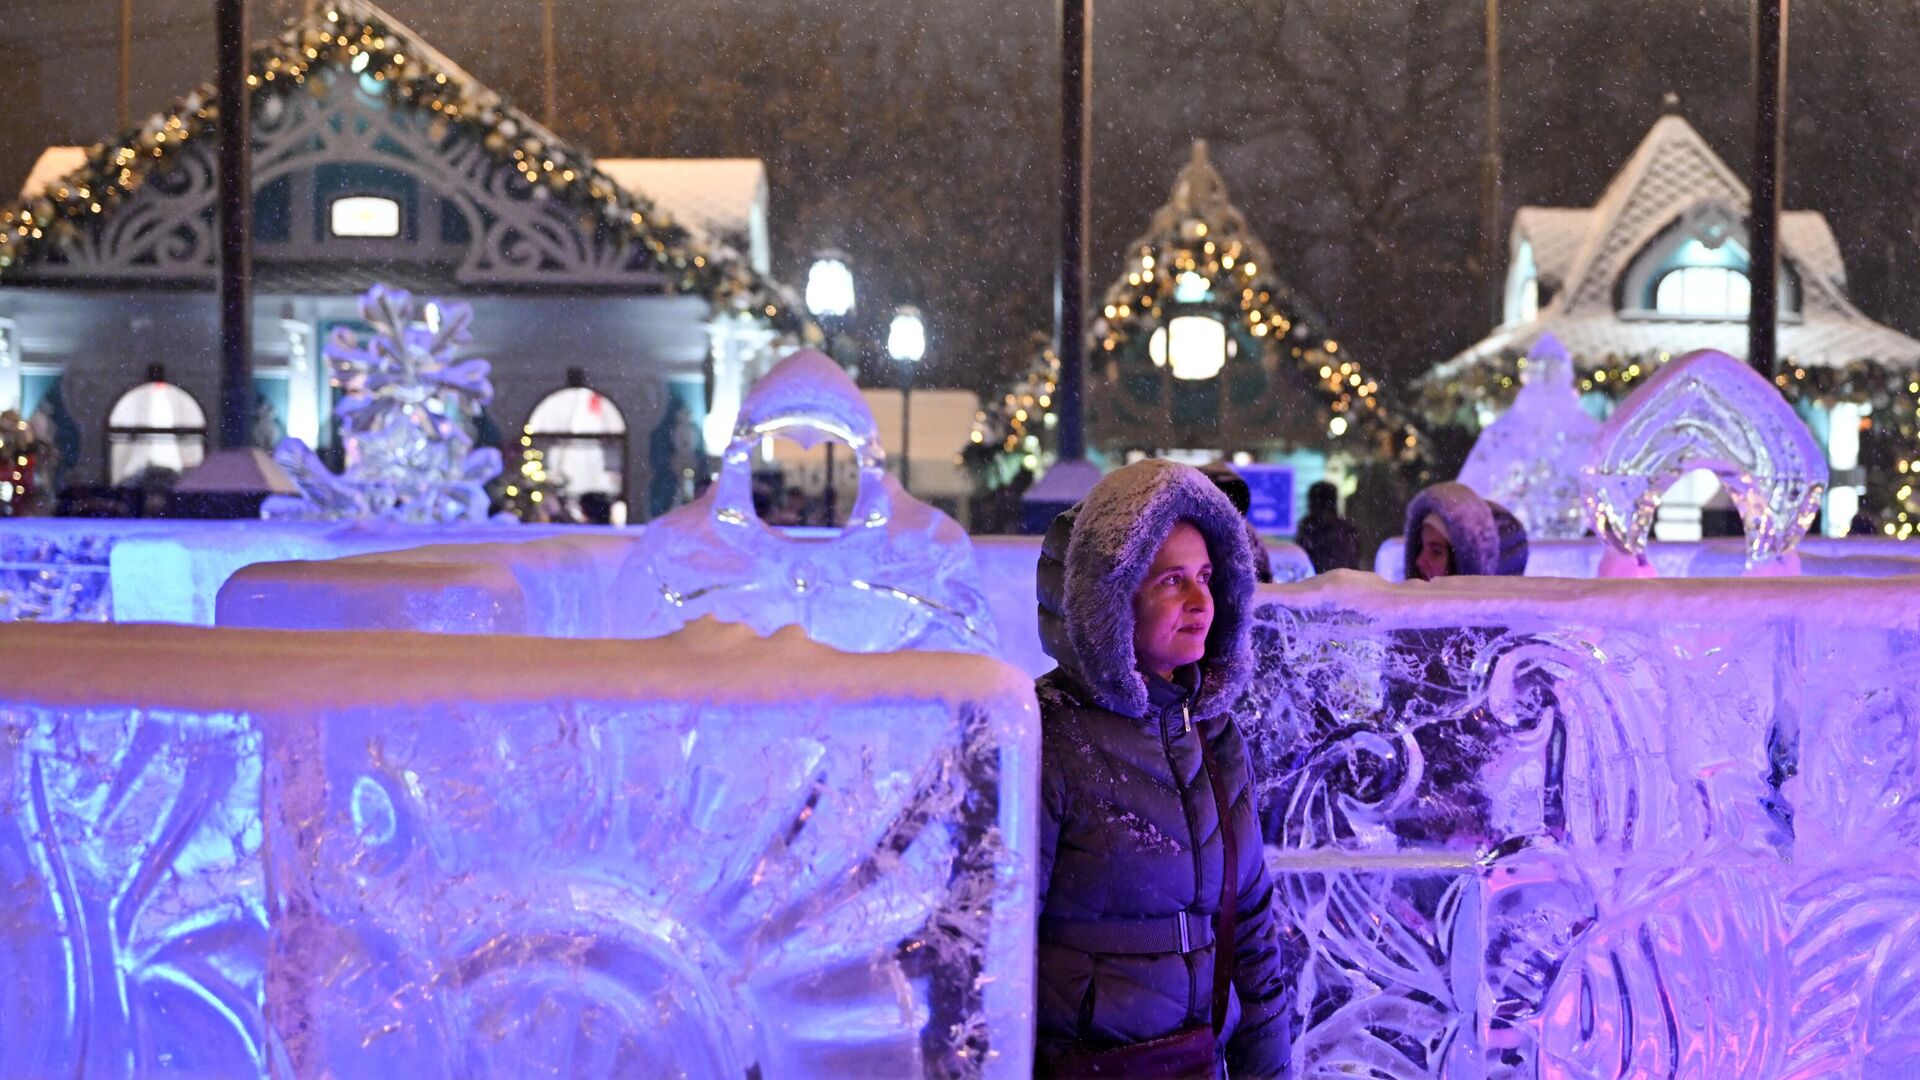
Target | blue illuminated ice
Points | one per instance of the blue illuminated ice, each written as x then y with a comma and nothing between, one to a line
1529,460
900,575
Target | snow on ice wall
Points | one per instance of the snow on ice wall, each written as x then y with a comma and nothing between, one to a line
155,570
1529,828
510,856
1819,557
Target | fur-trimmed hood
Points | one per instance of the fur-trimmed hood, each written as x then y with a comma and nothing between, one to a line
1470,529
1111,538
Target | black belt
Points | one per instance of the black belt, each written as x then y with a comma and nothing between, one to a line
1179,933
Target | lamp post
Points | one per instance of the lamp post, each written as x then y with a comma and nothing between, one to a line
1769,143
830,297
906,344
235,186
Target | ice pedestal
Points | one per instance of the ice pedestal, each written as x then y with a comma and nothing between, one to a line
512,856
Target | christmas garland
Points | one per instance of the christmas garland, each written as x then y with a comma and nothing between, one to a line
1891,432
356,40
1199,256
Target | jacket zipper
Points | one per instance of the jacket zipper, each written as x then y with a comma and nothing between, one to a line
1193,839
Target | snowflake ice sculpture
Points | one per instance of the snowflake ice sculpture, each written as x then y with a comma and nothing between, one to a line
408,456
1709,411
1530,459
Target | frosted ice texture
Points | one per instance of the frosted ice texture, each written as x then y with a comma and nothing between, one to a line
1565,848
133,925
758,881
409,455
899,576
1529,460
656,889
56,574
1707,410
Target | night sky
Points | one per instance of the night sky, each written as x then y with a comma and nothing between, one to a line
919,136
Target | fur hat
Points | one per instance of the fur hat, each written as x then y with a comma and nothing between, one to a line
1112,537
1513,541
1470,529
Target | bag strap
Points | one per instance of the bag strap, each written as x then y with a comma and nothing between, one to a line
1229,917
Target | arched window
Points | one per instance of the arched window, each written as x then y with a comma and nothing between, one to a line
154,425
1523,286
1697,268
584,440
1703,282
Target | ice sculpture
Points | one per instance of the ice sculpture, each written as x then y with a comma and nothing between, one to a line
1529,460
1502,857
133,916
409,456
900,575
423,855
1707,410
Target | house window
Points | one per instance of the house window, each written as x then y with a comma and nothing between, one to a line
583,437
365,215
154,425
1703,291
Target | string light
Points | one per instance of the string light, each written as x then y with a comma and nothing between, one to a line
374,52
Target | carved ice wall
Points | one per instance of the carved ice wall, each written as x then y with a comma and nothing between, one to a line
510,857
1656,833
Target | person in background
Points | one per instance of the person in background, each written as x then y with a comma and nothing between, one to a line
1513,542
1450,531
1159,937
1330,541
1234,486
596,508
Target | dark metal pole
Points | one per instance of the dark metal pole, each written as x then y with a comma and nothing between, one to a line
1769,153
547,60
123,105
1070,286
906,432
236,225
1491,195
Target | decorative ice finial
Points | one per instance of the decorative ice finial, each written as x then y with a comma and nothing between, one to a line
409,456
1548,364
1709,411
900,575
1530,459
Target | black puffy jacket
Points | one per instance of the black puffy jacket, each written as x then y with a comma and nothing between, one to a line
1129,833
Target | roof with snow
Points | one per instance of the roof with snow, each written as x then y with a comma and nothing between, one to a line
718,199
1583,258
352,84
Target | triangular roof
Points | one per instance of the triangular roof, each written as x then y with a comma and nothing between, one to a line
67,227
1581,256
1277,346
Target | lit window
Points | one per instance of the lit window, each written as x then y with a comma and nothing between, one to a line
584,440
1197,346
1703,291
365,215
154,425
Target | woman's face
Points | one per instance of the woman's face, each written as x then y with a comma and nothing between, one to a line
1173,608
1436,550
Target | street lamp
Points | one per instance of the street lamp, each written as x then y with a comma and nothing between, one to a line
1192,347
906,344
830,297
830,286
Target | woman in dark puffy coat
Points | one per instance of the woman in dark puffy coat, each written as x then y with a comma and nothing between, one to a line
1144,590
